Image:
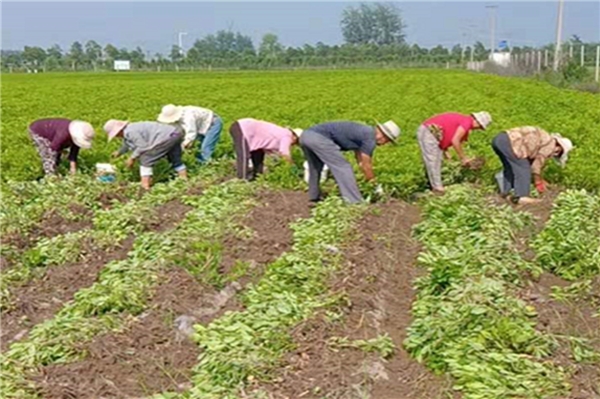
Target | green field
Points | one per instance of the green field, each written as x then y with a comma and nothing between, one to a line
214,288
303,99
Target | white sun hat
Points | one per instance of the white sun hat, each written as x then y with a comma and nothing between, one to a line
170,114
297,131
567,146
483,118
390,129
82,134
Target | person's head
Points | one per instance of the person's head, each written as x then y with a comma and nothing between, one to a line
387,132
115,128
82,134
481,120
170,114
562,148
296,133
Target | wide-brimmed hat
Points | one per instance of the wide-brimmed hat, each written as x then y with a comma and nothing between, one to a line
297,131
170,114
483,118
567,146
82,134
113,127
390,129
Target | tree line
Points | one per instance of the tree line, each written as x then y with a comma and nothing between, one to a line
374,34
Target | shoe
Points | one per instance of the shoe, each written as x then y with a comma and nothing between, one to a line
528,201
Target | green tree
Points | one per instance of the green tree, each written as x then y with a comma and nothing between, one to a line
76,55
93,52
373,23
34,56
270,48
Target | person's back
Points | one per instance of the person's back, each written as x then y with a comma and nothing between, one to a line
348,135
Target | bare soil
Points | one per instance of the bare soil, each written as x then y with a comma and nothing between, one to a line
377,278
148,357
269,222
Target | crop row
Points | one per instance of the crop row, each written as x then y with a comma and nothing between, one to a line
468,318
245,345
123,287
569,245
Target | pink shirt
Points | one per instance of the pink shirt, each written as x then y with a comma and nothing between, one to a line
448,123
266,136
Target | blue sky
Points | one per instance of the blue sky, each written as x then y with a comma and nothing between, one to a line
154,25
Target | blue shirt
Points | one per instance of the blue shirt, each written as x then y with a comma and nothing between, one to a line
349,135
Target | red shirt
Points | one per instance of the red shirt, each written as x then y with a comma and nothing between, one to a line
448,124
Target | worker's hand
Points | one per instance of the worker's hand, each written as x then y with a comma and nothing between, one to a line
541,186
130,162
466,161
186,144
447,155
115,154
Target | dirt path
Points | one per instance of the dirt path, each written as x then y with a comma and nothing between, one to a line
377,278
155,353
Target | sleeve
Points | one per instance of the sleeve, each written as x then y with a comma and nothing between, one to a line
367,144
538,164
124,147
284,145
73,153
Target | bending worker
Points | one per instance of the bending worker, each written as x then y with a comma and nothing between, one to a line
148,142
437,134
523,152
253,138
198,124
52,136
323,145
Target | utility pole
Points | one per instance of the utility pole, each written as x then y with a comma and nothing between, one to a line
181,34
492,29
559,23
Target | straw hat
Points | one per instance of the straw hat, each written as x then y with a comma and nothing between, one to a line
170,114
297,131
113,127
390,129
567,146
483,118
82,134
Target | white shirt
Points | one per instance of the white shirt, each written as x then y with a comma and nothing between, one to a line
195,121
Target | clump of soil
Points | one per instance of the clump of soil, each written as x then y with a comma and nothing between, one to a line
40,298
377,278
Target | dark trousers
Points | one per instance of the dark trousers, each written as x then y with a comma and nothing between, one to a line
243,154
517,172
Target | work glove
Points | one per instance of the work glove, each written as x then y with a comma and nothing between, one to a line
541,186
